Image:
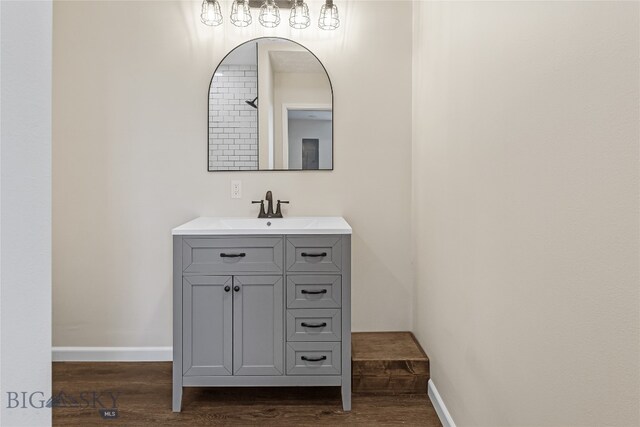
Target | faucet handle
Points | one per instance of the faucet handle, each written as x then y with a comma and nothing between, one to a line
278,213
262,213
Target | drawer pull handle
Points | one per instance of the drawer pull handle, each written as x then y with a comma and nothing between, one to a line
240,255
313,325
304,291
322,254
313,359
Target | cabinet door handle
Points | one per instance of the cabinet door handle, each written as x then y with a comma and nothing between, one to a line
305,254
304,291
313,325
227,288
240,255
313,359
236,288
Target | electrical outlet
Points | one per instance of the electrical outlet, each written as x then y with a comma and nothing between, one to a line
236,189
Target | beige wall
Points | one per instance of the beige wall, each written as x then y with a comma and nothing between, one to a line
129,160
525,172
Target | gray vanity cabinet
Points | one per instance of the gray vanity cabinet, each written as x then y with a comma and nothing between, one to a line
269,310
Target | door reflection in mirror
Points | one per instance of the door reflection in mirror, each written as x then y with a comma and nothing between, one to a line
309,139
310,154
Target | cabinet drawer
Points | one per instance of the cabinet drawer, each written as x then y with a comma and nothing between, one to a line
314,254
314,325
314,291
313,358
232,255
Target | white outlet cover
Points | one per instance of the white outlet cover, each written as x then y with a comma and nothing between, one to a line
236,189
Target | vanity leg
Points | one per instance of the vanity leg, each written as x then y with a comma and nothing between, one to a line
346,397
177,398
177,381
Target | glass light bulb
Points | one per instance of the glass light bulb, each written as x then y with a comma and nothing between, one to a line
240,13
329,19
299,17
269,14
211,14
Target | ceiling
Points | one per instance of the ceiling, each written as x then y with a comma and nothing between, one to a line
310,114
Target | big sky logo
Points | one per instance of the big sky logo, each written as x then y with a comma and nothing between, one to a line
84,399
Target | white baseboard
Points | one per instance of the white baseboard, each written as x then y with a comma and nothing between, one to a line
440,407
112,354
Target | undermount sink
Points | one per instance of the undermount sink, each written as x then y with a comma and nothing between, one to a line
292,225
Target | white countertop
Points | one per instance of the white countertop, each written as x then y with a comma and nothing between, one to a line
214,226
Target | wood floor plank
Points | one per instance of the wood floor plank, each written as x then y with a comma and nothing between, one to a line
144,399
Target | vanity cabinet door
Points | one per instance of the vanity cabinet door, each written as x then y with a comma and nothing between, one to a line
207,307
258,325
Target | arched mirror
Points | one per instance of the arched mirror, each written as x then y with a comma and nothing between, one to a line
270,108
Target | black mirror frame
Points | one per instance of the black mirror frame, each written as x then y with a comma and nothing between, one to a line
255,40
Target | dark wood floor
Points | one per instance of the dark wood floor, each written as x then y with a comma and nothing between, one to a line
144,399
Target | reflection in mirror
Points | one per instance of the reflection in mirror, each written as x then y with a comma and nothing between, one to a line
270,108
309,136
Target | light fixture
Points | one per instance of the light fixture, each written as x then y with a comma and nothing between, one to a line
240,13
211,14
299,17
269,14
329,16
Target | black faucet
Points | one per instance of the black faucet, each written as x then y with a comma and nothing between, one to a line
269,213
